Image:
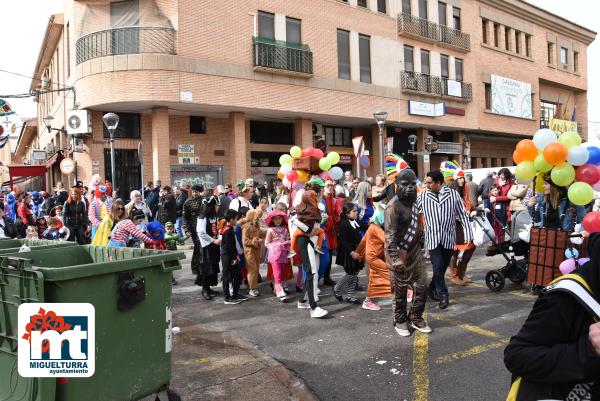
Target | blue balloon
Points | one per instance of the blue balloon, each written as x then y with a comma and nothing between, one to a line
594,152
571,253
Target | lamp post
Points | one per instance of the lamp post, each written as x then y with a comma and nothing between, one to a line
111,121
380,117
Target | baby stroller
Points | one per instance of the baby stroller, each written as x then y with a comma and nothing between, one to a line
515,269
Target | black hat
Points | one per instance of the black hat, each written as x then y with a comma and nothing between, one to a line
198,188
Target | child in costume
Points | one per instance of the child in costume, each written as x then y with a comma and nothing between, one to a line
251,240
36,203
42,225
278,245
32,233
53,232
230,260
307,215
499,212
156,232
171,236
10,207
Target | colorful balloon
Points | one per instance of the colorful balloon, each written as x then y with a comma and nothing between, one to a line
303,176
544,137
555,153
540,164
336,173
563,174
567,266
296,151
578,156
594,152
286,168
582,261
286,183
539,183
318,153
297,185
526,150
596,186
571,253
285,159
570,139
292,176
580,193
591,222
324,164
588,173
334,157
517,157
280,175
525,171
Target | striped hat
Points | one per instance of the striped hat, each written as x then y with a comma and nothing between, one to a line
393,165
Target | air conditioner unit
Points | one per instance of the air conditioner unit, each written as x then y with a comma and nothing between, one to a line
79,122
78,145
317,129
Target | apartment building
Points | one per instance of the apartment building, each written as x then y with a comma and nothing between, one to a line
216,91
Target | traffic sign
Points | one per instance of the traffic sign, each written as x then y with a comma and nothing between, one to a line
67,166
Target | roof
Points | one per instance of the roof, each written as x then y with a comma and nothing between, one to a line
558,16
27,135
51,37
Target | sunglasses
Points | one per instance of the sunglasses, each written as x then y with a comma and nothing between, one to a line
120,208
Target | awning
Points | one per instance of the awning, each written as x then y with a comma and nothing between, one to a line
57,157
27,171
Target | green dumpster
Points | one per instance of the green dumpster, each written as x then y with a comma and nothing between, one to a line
8,243
131,293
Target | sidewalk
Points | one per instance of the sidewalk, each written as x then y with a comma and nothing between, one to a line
213,365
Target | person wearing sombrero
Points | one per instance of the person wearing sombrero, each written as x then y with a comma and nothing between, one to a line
277,242
552,208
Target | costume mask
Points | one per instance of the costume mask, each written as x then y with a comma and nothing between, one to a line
406,186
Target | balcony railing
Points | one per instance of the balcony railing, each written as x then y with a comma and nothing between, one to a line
414,26
126,40
438,86
282,57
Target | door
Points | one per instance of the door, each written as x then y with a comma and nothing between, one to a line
127,168
125,21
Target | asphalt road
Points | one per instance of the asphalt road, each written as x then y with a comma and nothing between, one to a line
355,354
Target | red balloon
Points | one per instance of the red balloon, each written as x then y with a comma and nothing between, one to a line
587,173
292,176
318,153
591,222
326,176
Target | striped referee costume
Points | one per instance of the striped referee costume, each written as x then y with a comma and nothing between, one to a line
441,210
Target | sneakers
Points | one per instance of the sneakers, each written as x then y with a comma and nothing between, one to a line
409,295
319,250
232,301
353,300
303,305
421,326
457,281
467,279
318,312
254,293
402,329
291,255
241,298
370,305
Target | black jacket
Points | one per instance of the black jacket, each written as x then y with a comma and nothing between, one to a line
75,215
10,230
181,198
224,202
349,238
228,247
167,209
152,199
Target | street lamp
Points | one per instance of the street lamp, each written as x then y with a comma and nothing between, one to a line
111,121
380,117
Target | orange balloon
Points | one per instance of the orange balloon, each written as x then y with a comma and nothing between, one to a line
280,175
517,157
527,150
555,153
302,176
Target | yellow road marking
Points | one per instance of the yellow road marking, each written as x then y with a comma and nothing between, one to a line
517,292
471,351
421,365
465,326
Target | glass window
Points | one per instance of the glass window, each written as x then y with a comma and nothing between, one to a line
343,49
442,13
129,126
458,66
197,125
364,55
425,62
338,136
547,113
528,45
456,18
423,9
409,64
564,55
484,32
496,35
445,66
406,7
293,32
517,42
271,133
507,38
576,61
362,3
488,96
266,25
381,6
550,53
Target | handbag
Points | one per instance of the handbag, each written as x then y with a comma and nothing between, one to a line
460,233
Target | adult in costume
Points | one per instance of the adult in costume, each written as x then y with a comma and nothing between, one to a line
191,211
207,229
403,231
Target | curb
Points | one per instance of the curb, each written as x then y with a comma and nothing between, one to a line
185,247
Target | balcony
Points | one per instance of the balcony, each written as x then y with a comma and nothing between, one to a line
282,58
419,28
428,85
126,40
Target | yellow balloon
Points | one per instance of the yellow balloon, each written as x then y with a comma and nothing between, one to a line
296,151
303,175
539,183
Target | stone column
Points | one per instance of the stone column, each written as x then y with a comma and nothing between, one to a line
423,167
161,145
376,156
239,153
303,136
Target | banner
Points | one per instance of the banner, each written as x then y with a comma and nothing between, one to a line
560,126
511,98
185,153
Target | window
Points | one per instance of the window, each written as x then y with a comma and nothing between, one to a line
564,55
547,113
496,34
271,133
293,32
197,125
442,13
517,42
129,126
338,136
484,30
406,7
381,6
266,25
423,9
409,63
445,66
68,52
456,18
528,45
488,96
343,49
362,3
458,67
550,53
364,55
576,61
507,38
425,62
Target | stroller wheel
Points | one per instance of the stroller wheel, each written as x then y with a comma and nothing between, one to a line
494,280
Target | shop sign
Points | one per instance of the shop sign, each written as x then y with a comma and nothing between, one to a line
389,146
67,166
560,126
454,88
186,96
185,154
510,97
345,159
426,109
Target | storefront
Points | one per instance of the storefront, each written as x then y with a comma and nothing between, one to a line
28,178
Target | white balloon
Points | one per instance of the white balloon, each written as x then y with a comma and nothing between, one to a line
286,168
336,173
578,156
544,137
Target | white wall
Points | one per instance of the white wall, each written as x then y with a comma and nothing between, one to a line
386,61
354,58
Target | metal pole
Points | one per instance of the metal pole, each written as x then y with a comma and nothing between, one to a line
74,161
358,167
381,148
112,162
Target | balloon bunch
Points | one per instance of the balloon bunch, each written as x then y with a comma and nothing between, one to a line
313,161
570,163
